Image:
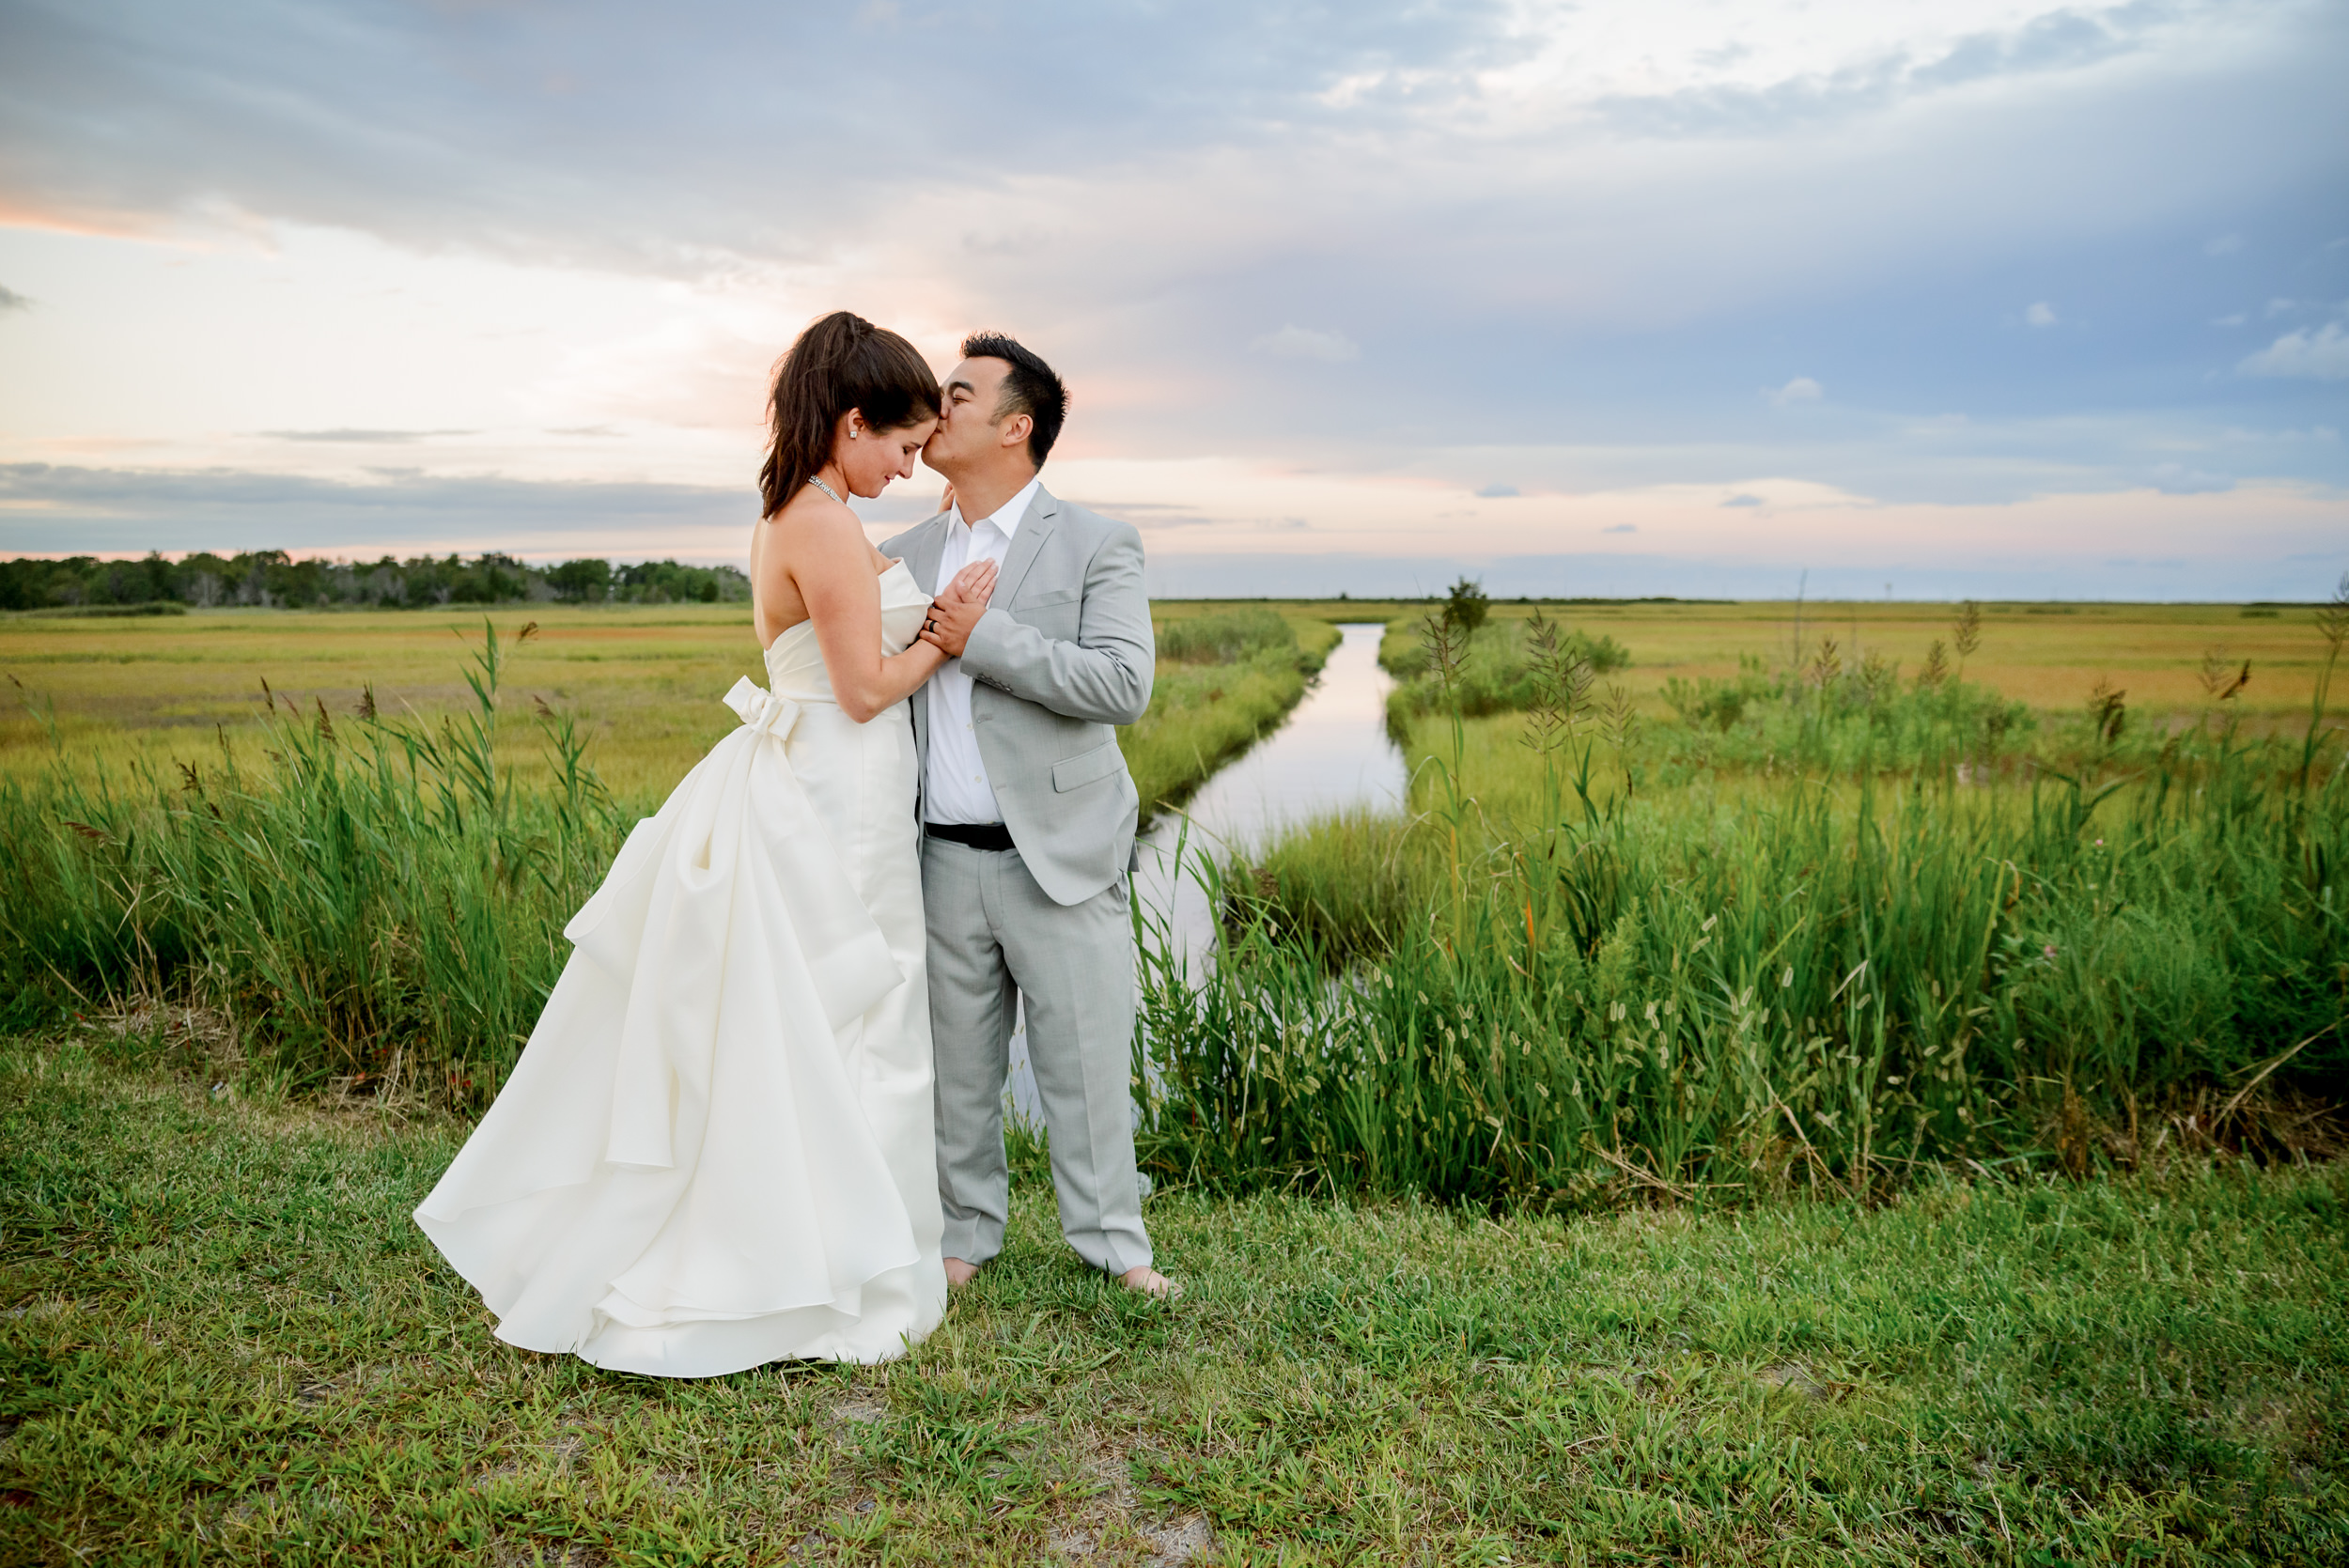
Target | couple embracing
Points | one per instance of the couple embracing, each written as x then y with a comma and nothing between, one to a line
761,1116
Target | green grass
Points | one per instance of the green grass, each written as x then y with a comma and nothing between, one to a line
1554,977
647,680
225,1342
378,896
645,683
1494,671
381,902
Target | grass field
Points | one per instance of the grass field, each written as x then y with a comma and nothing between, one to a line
1864,917
649,680
1836,1158
226,1342
378,896
2048,654
645,683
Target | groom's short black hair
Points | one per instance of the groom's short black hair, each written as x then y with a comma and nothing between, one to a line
1031,388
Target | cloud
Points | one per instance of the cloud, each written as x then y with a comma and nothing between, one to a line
49,509
364,438
12,300
2177,479
1293,342
1497,493
2061,41
1743,499
1578,232
2041,315
2222,244
2321,355
604,133
2236,320
1621,528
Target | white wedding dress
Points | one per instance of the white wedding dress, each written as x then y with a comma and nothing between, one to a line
716,1150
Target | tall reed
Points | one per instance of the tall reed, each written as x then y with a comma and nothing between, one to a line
380,901
1730,988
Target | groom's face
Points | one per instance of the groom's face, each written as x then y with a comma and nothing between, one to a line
968,429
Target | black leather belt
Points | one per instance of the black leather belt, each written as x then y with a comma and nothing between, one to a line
974,835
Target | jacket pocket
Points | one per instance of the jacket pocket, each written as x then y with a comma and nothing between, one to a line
1054,616
1087,767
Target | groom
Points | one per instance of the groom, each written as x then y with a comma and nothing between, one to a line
1027,817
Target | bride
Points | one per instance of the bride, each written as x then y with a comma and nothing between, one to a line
716,1150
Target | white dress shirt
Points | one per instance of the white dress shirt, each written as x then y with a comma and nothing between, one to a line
955,790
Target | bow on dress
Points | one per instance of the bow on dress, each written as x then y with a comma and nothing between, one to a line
761,711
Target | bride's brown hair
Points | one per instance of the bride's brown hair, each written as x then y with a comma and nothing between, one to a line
841,362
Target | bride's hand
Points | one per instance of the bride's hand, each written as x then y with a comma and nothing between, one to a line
974,584
954,614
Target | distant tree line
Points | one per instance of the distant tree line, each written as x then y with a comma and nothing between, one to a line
273,578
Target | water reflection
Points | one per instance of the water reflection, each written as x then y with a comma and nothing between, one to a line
1331,754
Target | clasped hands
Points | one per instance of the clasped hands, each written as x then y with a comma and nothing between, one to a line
957,608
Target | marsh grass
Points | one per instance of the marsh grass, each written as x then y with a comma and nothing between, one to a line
1601,1014
380,903
225,1342
646,681
1549,982
1495,668
376,895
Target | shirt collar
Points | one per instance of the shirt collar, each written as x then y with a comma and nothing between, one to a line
1007,520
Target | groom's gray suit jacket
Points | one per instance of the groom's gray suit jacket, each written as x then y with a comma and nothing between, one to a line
1064,653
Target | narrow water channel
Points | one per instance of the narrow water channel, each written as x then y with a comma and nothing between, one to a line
1331,754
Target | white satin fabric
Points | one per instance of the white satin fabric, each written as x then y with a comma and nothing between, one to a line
716,1150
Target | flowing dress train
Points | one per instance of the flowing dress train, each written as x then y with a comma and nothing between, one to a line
716,1149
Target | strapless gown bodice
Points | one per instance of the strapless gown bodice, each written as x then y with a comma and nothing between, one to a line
795,660
717,1150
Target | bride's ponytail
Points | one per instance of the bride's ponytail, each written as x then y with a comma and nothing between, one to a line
841,362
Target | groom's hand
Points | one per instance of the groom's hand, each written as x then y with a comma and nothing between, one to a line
950,623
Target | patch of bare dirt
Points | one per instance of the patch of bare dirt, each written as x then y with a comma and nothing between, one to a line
1797,1379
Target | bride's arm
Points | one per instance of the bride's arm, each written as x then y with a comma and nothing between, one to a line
835,574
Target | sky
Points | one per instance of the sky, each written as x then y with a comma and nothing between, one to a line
1700,297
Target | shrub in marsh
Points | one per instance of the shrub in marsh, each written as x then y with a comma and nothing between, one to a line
1497,671
1465,606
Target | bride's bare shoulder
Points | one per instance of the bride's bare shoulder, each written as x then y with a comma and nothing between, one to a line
815,512
814,524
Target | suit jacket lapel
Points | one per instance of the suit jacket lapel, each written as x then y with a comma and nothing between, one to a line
1035,529
928,548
